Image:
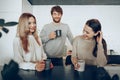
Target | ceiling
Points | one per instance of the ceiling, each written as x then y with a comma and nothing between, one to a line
74,2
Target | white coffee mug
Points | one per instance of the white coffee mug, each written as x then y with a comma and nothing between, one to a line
81,63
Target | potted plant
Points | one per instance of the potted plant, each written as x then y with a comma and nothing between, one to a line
4,29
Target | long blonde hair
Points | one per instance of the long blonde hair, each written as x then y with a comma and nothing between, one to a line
23,30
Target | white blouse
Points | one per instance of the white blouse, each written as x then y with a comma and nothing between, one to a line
36,53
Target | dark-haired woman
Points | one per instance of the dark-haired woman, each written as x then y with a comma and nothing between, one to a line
90,46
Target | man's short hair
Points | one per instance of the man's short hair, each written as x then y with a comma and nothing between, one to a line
57,9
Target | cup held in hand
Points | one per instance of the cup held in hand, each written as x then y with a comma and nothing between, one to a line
58,33
47,64
82,65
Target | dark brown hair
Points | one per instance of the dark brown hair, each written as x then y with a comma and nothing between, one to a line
96,26
57,9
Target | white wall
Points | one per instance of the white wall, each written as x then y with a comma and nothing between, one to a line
26,6
10,11
76,16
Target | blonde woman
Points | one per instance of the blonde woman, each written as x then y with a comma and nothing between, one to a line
28,51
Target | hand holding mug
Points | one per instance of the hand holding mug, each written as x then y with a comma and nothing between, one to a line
40,66
52,35
77,66
51,65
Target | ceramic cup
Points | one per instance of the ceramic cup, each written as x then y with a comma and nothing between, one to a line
47,64
58,33
82,65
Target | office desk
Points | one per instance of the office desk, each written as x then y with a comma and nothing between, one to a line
59,73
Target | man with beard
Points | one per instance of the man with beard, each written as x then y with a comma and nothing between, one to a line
54,36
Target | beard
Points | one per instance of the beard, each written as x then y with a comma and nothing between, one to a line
56,21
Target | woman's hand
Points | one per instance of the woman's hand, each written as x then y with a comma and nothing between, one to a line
75,62
99,37
51,66
76,66
40,66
